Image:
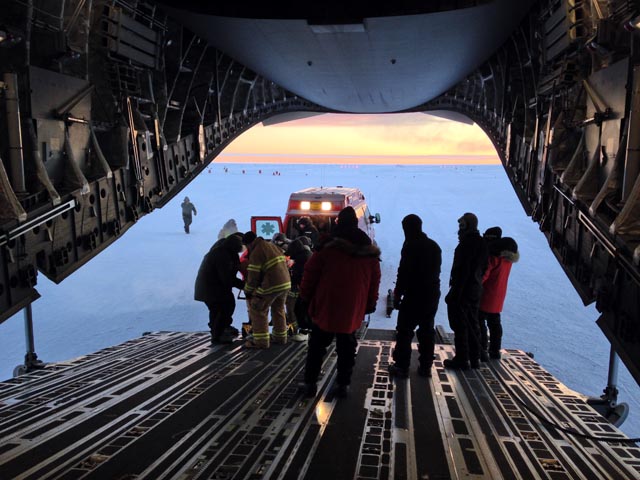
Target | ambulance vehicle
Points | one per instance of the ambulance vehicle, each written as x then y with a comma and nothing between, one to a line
321,205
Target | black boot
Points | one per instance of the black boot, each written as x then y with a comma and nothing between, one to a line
456,364
341,391
424,371
398,372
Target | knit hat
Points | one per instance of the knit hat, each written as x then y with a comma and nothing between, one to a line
412,224
493,233
347,218
248,238
295,246
508,243
234,243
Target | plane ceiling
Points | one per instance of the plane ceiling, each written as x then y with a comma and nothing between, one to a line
377,65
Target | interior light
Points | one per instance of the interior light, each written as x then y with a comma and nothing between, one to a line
633,24
305,205
326,206
595,47
9,39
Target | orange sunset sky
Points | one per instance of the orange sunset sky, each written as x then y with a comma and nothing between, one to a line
413,138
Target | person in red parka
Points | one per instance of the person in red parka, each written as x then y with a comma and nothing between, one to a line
340,285
503,253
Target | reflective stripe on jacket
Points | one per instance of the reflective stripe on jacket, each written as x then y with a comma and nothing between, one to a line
267,271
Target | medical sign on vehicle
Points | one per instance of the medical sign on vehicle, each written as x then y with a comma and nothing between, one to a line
266,227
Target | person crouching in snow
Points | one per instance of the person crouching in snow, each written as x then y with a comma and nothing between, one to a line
266,288
340,285
503,253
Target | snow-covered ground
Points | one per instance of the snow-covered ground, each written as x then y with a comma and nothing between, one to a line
144,282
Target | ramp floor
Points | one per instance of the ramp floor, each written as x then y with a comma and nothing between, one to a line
170,406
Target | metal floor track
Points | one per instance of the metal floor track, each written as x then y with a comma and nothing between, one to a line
170,406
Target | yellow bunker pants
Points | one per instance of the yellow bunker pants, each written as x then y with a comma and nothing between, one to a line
259,315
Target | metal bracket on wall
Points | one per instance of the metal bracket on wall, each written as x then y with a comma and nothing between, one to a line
50,215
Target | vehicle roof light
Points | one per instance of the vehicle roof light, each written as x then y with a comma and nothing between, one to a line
304,205
326,206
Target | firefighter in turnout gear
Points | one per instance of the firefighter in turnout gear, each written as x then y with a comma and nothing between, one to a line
267,285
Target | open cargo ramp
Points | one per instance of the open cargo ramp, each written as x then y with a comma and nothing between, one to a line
169,406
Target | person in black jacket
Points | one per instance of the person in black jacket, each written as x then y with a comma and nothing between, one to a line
416,298
214,283
306,228
465,289
299,253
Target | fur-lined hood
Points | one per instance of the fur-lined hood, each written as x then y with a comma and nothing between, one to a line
352,249
513,257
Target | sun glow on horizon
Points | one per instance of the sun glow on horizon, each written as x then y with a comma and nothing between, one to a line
413,138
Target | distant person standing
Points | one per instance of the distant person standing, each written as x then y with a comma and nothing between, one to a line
416,298
266,288
340,285
503,253
216,278
187,209
465,290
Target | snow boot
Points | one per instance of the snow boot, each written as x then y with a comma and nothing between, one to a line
398,372
341,391
455,364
